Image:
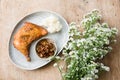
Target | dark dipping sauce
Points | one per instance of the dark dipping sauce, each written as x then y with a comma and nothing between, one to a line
45,48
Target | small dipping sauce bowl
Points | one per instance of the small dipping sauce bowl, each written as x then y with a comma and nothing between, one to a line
46,48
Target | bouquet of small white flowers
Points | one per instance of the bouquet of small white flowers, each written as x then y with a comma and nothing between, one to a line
84,48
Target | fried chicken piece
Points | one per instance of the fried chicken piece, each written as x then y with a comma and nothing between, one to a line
26,35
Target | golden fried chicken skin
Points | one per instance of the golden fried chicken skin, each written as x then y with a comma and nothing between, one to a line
26,35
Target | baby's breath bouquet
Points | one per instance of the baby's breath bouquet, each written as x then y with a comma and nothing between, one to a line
85,47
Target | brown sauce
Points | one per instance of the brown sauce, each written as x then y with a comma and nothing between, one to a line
45,48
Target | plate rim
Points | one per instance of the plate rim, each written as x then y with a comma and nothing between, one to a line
15,26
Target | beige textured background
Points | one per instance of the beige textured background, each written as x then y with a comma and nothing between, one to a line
11,11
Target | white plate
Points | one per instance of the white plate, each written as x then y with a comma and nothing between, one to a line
60,38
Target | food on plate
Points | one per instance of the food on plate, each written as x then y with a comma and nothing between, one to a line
26,35
84,48
52,24
45,48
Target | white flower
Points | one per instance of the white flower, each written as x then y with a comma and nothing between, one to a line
96,76
78,45
92,72
88,48
96,71
95,49
106,68
71,38
68,66
57,57
55,64
71,52
77,68
115,40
